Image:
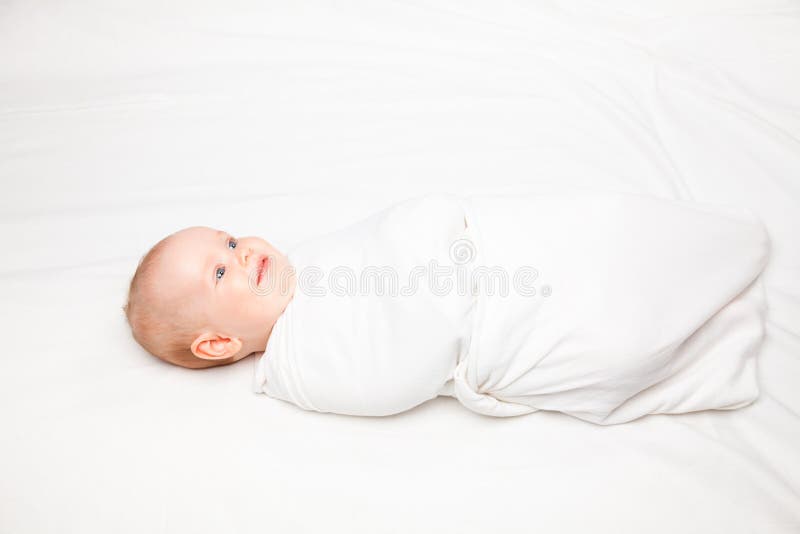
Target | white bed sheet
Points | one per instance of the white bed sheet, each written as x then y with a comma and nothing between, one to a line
123,121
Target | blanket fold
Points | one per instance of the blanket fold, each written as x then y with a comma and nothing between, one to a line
653,306
366,333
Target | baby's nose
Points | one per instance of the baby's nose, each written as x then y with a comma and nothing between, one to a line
244,255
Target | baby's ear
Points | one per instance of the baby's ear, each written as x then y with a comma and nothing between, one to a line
215,347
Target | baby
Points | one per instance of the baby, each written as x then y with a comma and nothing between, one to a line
192,301
604,306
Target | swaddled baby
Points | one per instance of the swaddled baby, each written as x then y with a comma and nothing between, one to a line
604,306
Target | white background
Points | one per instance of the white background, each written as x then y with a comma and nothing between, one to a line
121,122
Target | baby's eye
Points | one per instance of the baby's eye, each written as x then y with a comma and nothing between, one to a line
231,243
220,271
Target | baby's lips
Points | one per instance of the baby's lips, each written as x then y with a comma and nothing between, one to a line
261,268
255,271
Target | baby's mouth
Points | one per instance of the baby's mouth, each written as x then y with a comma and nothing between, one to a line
262,268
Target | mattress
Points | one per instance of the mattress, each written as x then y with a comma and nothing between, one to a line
121,122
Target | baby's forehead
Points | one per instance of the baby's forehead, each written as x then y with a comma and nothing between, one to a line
194,239
183,256
196,233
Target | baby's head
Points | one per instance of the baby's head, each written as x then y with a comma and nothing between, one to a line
202,298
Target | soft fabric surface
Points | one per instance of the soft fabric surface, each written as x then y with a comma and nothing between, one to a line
364,334
122,122
658,308
646,306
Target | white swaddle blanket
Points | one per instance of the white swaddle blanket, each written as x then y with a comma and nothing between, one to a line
604,306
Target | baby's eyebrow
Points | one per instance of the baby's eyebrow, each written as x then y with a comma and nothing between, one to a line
222,234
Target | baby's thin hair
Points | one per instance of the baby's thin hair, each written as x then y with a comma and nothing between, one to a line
159,326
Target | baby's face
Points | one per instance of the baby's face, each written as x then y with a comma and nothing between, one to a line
238,287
